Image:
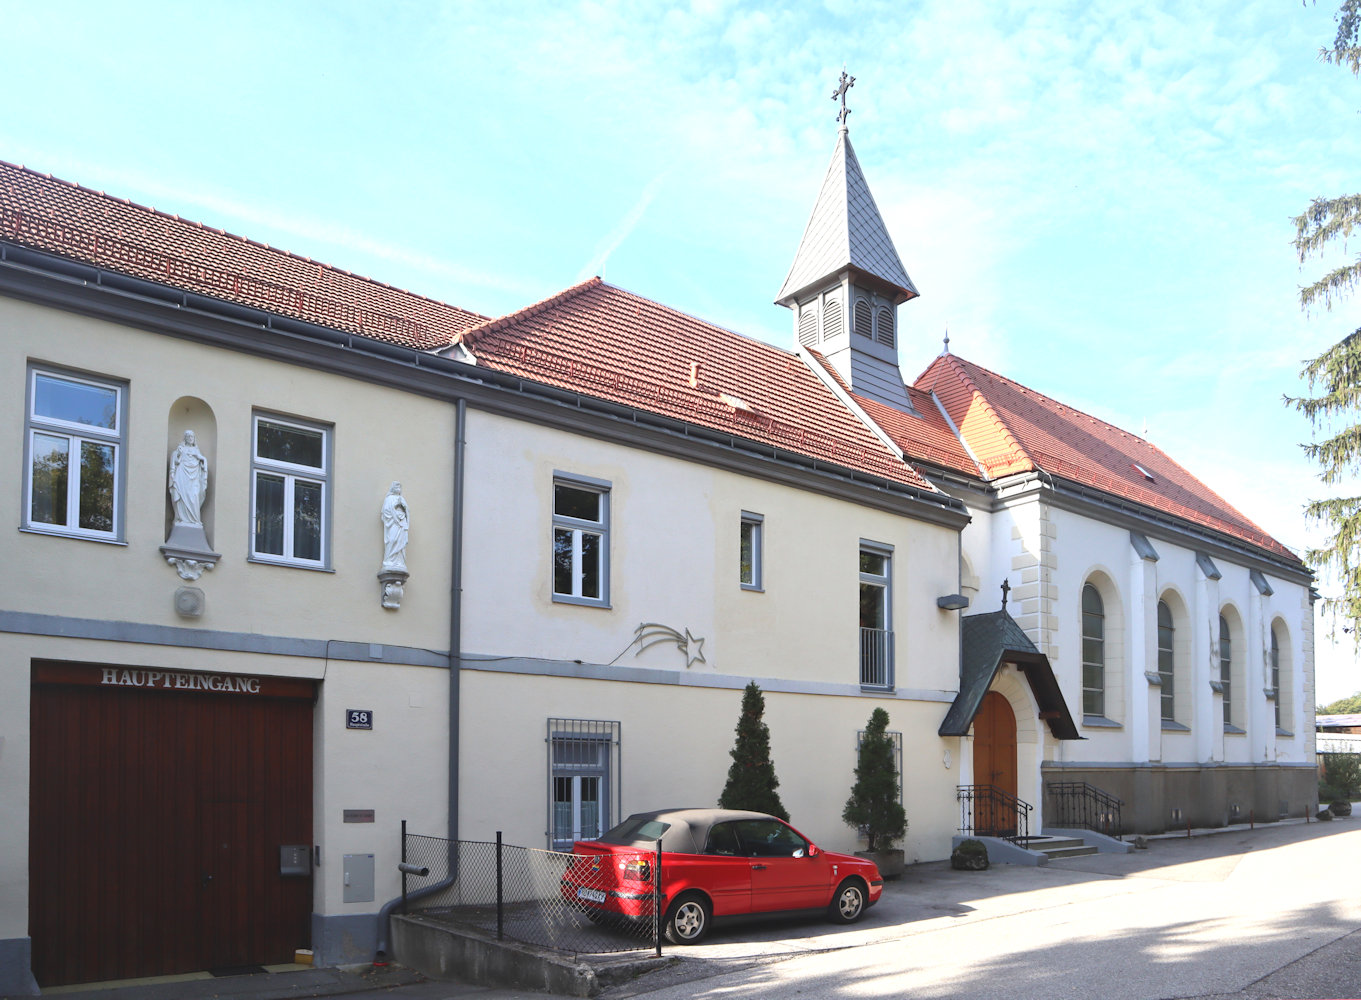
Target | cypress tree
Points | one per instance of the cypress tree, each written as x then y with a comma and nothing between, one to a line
873,805
751,777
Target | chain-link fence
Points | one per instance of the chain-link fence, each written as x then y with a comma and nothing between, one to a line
588,903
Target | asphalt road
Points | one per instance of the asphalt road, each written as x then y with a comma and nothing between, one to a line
1237,915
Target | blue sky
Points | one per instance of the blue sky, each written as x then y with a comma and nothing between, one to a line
1095,197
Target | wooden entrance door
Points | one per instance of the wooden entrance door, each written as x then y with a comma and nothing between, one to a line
156,818
994,764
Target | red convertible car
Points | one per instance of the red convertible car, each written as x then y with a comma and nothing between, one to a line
716,864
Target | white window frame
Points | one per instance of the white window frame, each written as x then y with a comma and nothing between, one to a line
291,473
753,526
579,527
76,434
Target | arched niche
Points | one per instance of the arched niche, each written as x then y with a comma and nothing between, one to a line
189,413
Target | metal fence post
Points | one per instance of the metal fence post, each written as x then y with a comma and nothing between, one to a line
657,898
500,900
404,906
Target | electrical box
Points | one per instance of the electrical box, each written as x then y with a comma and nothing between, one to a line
358,878
295,859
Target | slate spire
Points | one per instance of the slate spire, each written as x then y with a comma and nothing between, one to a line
846,231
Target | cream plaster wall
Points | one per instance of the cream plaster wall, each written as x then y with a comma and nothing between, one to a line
674,560
378,435
675,743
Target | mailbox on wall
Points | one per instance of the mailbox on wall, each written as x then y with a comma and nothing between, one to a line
295,860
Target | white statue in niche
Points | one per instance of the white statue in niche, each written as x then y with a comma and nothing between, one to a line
188,481
396,526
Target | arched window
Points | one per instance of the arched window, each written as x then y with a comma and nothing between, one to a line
1226,668
1093,652
1166,663
1276,674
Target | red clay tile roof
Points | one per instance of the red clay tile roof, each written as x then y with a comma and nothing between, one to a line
1013,429
605,342
42,212
926,437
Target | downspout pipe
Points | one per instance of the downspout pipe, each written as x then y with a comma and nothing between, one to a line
455,661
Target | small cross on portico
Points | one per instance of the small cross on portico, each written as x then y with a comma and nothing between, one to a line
1006,589
847,82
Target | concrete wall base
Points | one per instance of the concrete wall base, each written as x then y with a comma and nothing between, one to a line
344,940
16,968
447,952
1159,798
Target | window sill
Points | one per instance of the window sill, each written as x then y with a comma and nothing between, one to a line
1174,727
754,588
1231,730
581,602
877,689
74,535
1100,722
1284,732
313,567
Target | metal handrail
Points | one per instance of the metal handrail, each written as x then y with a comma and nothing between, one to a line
1083,805
988,811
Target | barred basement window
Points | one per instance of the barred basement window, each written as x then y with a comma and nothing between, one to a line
583,780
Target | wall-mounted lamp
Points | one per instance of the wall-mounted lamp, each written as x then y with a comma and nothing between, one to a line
952,602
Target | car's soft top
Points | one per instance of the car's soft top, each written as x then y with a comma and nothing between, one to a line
685,830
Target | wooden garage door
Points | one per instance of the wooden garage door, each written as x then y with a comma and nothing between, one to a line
157,812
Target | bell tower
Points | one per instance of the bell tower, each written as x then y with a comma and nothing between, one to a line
847,281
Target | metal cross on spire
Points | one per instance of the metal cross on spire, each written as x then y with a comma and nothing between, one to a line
1006,587
847,82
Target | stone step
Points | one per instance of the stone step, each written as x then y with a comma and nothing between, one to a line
1067,852
1046,843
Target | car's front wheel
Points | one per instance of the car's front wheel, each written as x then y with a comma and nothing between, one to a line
848,905
687,922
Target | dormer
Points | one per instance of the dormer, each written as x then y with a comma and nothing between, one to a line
847,281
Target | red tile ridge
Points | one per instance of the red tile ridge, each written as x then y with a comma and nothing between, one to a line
1016,452
241,239
469,336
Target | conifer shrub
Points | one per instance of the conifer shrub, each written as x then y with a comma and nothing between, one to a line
751,776
873,806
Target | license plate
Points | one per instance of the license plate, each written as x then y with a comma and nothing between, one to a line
594,895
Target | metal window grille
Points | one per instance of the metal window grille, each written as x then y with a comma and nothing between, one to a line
897,739
584,786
